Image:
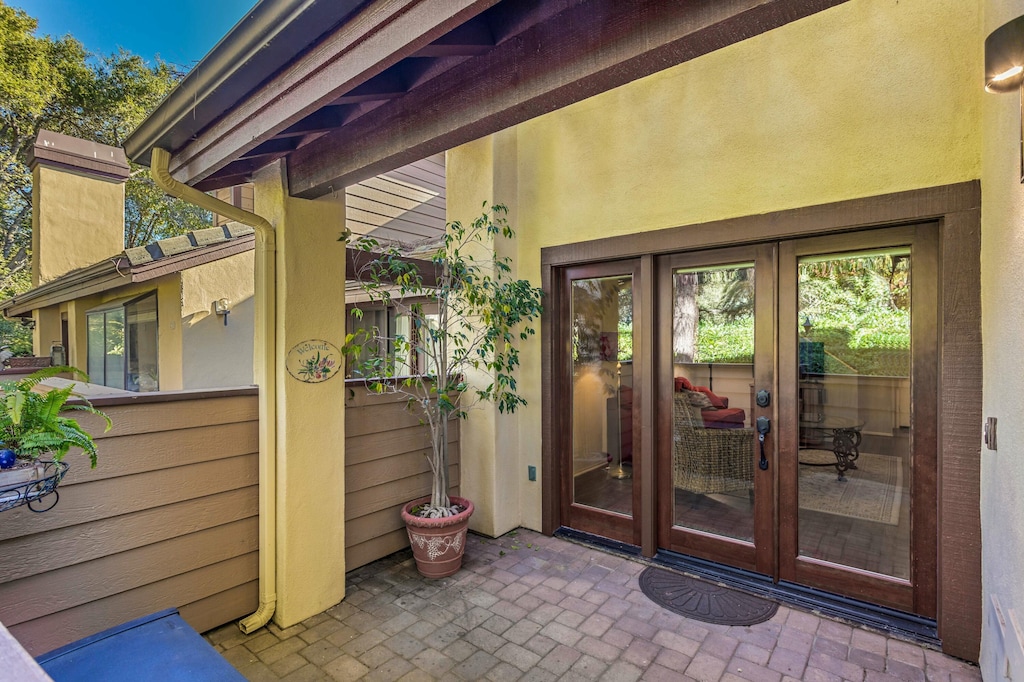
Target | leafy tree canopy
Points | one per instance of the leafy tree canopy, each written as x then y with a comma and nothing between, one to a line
54,83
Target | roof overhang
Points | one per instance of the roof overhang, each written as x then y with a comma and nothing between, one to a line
434,74
259,45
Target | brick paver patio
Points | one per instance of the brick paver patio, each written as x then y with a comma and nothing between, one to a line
530,607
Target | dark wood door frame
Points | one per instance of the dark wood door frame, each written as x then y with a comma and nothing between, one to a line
957,211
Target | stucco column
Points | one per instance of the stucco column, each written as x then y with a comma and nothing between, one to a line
47,329
78,336
310,417
492,467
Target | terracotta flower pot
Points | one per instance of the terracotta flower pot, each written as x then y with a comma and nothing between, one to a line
438,544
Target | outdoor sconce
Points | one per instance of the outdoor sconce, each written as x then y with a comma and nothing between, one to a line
222,306
58,356
1004,67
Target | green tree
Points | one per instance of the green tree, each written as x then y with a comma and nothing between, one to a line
54,83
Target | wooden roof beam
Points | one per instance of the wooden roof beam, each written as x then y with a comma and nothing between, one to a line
320,121
235,173
272,147
471,39
611,43
221,181
387,85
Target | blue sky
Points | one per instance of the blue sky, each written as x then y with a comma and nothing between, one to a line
179,31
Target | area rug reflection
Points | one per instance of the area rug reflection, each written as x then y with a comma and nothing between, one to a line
872,492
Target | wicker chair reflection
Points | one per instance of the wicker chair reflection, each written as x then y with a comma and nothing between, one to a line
707,461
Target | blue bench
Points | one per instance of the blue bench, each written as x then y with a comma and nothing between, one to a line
158,647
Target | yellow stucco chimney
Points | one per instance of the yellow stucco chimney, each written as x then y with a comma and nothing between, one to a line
77,204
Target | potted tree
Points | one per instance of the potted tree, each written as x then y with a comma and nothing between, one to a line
31,426
463,313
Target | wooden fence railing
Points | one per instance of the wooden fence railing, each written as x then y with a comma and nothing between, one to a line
384,469
169,518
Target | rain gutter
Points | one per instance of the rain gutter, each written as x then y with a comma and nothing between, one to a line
265,368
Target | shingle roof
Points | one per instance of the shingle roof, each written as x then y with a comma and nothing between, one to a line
139,264
173,246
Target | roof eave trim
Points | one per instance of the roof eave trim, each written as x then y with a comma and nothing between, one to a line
261,24
18,306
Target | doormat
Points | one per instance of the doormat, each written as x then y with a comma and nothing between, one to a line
871,492
704,601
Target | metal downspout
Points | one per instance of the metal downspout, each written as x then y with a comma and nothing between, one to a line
265,370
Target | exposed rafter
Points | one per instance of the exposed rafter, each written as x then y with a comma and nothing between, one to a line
472,39
387,85
375,38
320,121
273,147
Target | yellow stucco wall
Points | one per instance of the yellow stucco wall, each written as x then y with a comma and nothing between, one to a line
862,99
1002,300
217,355
73,208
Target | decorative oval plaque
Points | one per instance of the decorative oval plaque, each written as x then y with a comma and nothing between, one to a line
314,361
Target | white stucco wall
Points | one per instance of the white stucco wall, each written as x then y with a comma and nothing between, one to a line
1002,307
214,355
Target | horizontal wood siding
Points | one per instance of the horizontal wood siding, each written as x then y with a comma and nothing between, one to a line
406,204
385,467
169,518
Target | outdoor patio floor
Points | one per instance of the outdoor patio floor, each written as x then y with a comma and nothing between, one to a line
529,607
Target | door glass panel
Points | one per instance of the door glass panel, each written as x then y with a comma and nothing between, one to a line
97,343
602,393
141,338
713,365
113,362
854,410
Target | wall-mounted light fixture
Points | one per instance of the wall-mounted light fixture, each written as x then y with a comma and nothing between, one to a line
1004,67
58,356
222,306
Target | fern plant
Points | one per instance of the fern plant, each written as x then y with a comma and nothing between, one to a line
31,423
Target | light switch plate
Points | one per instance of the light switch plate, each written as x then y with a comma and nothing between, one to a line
990,433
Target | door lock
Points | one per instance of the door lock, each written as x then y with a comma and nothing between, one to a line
764,426
764,398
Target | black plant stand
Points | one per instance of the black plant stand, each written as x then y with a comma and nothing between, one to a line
39,494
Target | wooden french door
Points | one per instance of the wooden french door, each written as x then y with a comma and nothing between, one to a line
796,385
792,402
603,373
858,430
717,496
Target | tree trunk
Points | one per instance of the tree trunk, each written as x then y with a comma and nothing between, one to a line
684,317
